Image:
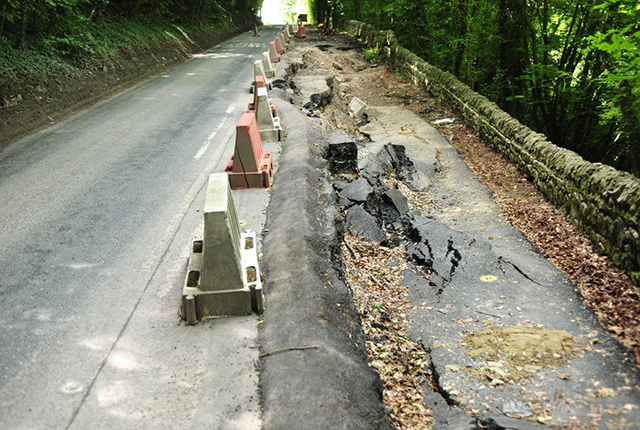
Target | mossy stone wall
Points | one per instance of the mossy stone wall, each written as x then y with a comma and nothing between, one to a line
602,201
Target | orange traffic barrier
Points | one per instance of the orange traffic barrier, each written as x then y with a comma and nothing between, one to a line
286,37
302,31
250,166
279,46
255,30
273,53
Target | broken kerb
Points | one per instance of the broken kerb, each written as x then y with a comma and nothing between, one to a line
357,107
269,70
223,278
250,166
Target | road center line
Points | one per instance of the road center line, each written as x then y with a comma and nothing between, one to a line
207,142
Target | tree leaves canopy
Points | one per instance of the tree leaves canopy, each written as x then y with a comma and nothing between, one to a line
567,68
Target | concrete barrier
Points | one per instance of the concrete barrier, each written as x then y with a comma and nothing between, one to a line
268,124
254,103
269,70
223,277
273,53
250,166
259,83
258,71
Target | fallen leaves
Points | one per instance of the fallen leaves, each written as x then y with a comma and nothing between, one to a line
374,274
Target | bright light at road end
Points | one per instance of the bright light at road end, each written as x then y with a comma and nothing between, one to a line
276,11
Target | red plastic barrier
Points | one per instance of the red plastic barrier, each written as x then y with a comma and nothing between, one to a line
279,47
250,166
273,53
286,38
302,31
255,30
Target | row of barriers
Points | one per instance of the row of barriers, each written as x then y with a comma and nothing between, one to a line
223,277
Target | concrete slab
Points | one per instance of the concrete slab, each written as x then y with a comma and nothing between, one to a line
315,89
422,142
269,70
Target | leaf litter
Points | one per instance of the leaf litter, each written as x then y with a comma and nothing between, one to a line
374,273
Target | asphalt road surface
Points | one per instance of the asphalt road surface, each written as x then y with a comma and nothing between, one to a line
97,212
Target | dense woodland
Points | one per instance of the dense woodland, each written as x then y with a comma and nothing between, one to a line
42,38
24,21
567,68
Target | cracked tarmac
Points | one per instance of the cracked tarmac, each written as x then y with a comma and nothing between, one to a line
471,272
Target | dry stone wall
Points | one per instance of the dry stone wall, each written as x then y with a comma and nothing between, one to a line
602,201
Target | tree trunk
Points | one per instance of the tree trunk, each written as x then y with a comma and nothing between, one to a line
4,14
23,24
511,58
357,9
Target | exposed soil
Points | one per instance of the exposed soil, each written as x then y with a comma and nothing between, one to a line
516,353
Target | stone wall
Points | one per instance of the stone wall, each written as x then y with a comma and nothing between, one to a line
602,201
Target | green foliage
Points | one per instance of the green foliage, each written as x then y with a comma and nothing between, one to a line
26,21
14,64
68,36
620,81
371,55
567,68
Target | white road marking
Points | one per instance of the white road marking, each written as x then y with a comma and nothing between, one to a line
207,142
